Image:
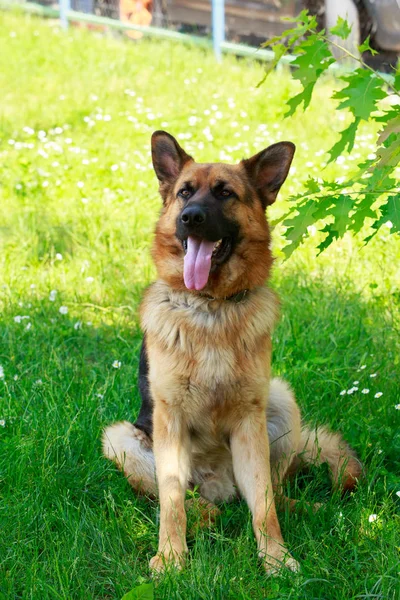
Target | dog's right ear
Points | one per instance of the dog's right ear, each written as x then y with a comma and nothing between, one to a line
168,157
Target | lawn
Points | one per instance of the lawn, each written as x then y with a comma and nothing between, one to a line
79,202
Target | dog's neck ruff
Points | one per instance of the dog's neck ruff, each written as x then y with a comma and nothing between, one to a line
165,312
238,297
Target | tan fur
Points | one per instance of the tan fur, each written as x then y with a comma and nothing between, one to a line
219,421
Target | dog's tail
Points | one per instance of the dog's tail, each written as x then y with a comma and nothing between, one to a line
319,446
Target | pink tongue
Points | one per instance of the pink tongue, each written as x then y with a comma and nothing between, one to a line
197,263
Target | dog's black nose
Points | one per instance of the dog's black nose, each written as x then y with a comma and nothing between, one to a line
193,216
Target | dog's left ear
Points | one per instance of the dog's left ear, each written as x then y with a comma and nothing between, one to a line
168,157
268,169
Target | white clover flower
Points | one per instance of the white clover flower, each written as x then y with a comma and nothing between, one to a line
356,382
27,328
2,423
63,310
107,118
352,390
114,167
80,184
89,279
373,375
365,391
397,406
372,518
38,382
78,325
59,256
52,295
378,395
343,392
363,367
398,493
1,372
20,318
15,377
117,364
101,396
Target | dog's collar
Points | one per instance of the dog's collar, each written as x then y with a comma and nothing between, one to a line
238,297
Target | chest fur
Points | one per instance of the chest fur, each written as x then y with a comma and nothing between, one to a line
204,352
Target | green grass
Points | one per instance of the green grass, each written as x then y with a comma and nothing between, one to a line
70,527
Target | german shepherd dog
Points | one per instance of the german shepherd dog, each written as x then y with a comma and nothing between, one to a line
211,416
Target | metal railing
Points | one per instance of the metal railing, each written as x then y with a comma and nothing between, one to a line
87,11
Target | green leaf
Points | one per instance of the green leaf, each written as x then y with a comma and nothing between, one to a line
340,210
363,211
391,212
142,592
346,141
362,93
323,207
279,51
304,96
331,237
389,153
380,181
314,58
271,41
303,17
297,226
365,47
312,185
341,29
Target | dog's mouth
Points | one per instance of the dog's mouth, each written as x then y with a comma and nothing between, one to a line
203,257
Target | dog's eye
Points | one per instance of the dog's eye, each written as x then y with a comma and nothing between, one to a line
225,193
185,193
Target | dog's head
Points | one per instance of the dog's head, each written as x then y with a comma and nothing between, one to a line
212,235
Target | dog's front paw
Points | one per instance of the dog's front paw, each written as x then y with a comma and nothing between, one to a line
163,561
277,559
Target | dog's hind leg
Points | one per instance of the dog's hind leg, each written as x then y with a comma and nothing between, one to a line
284,432
284,429
293,445
131,450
